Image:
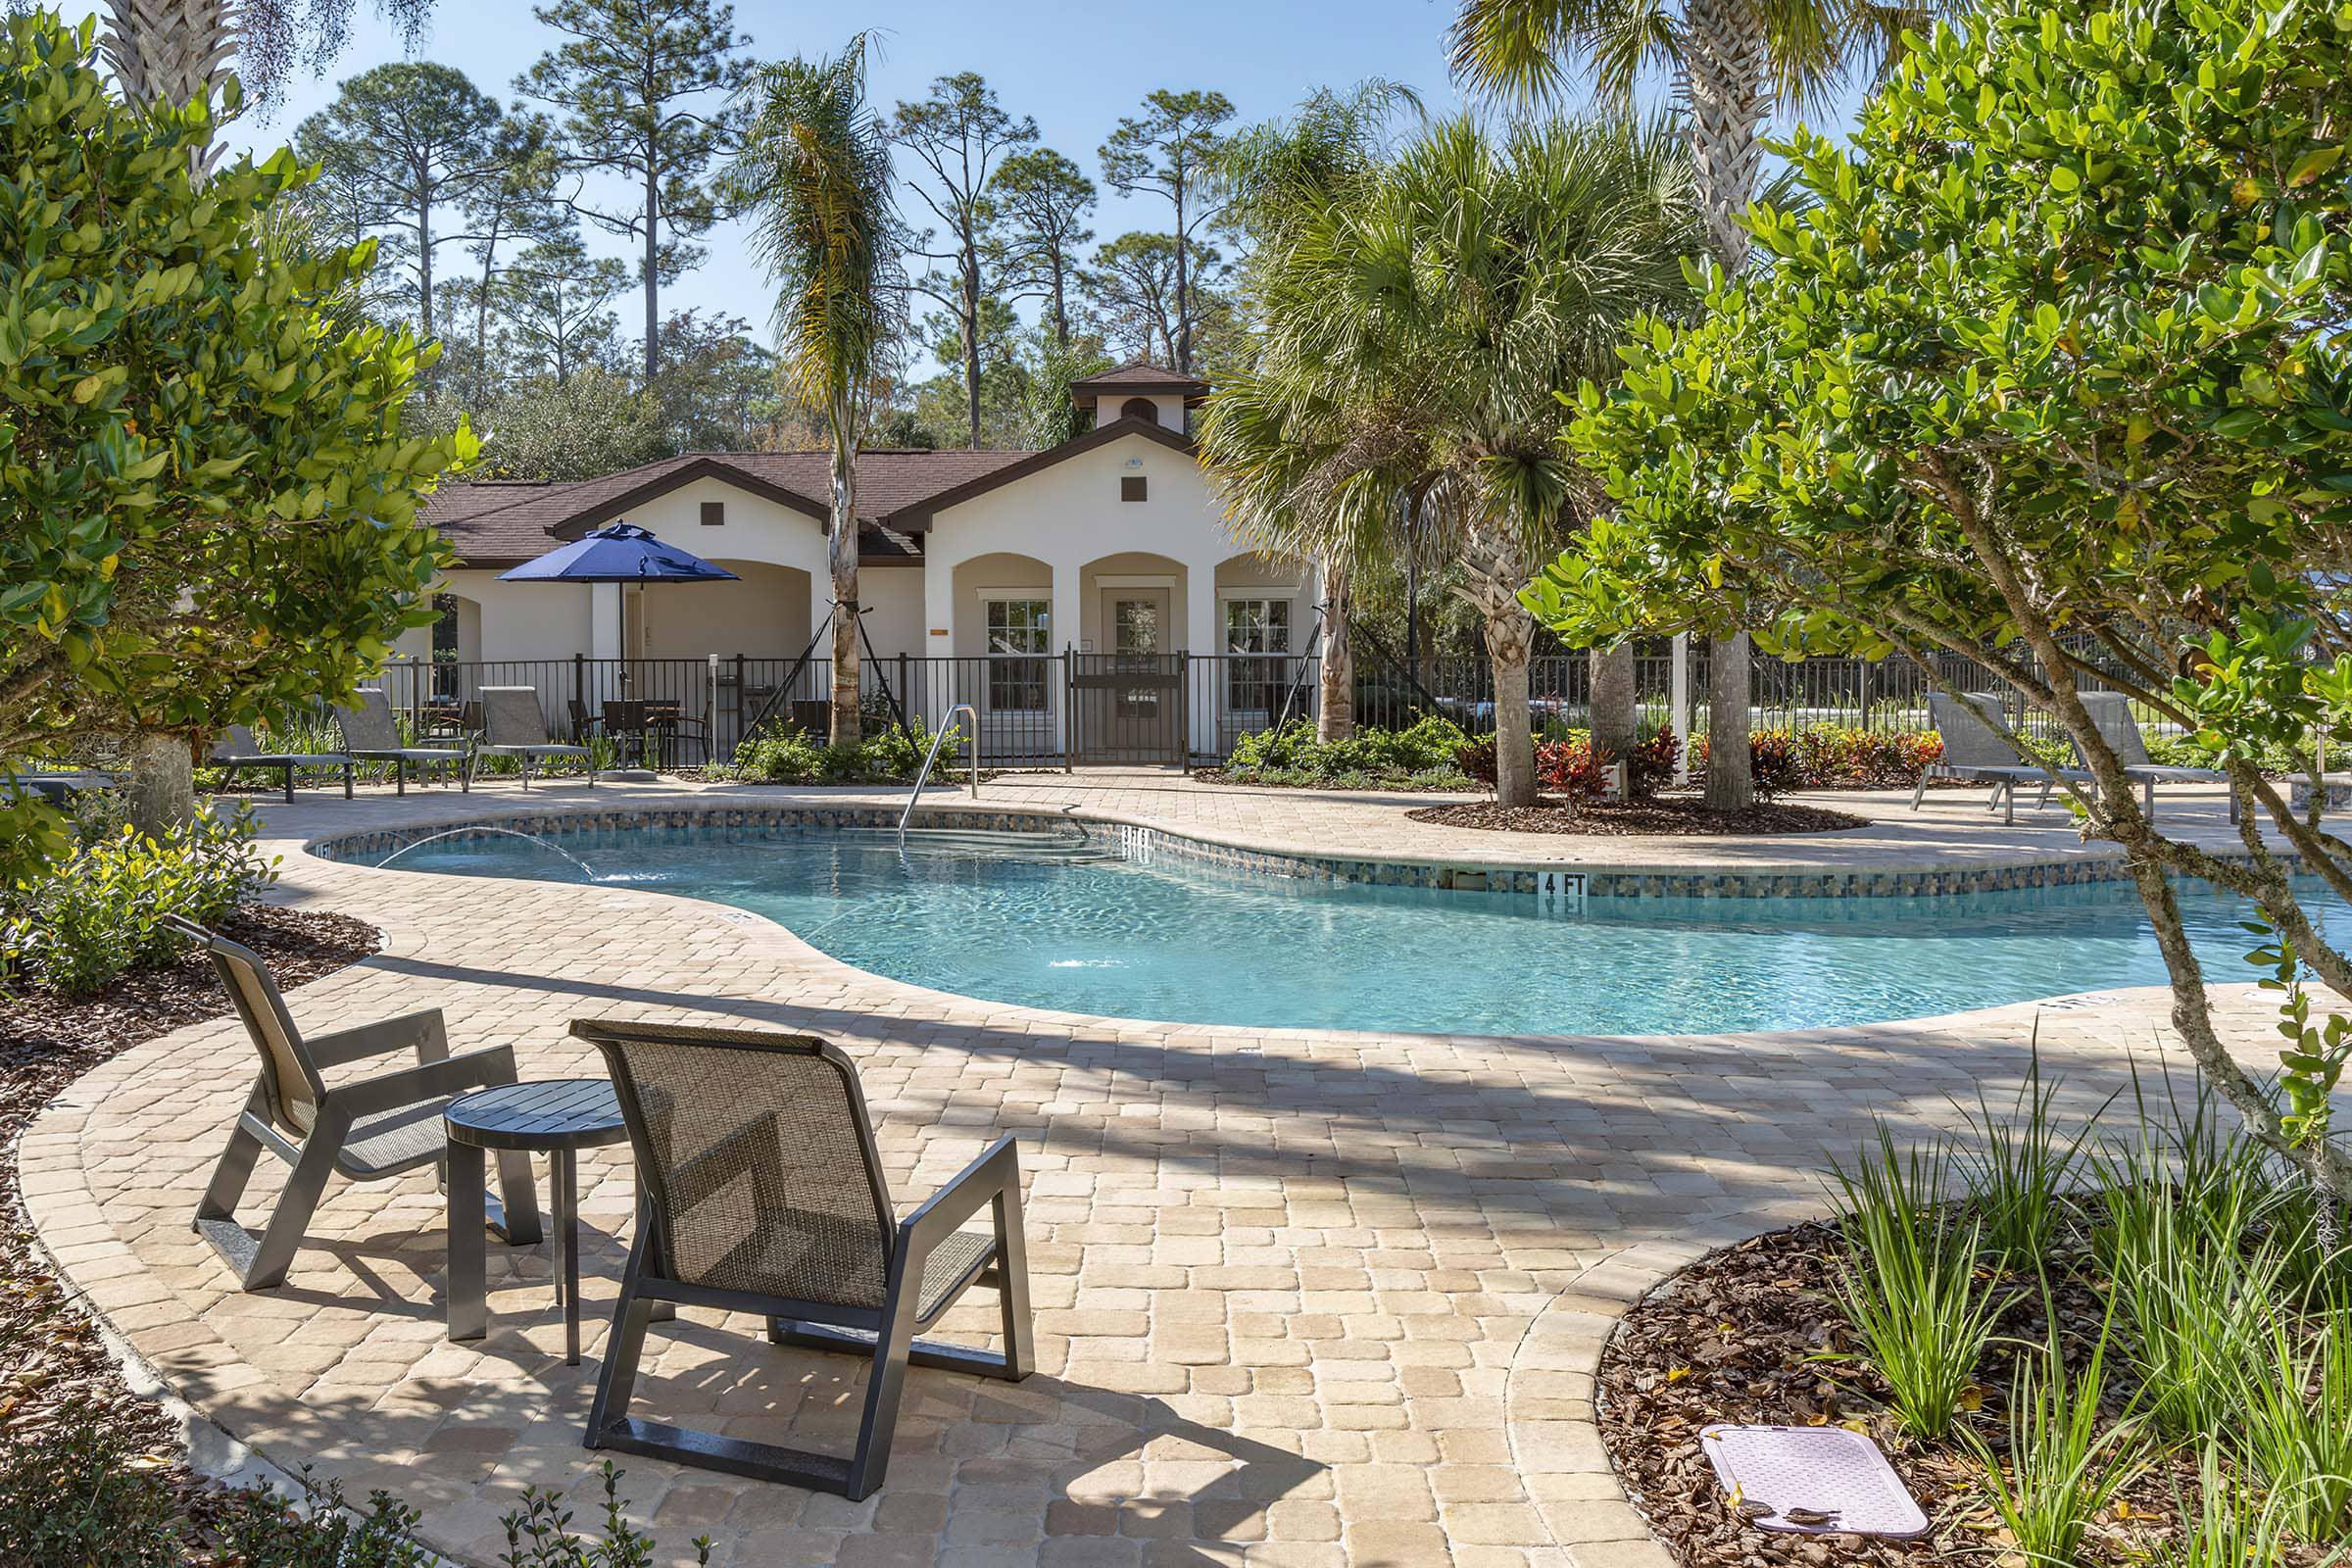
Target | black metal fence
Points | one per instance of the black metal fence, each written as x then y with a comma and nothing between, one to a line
1191,707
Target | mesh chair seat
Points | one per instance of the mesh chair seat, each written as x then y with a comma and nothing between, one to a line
954,1262
396,1140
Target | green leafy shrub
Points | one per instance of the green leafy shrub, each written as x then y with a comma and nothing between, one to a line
100,911
889,757
1291,754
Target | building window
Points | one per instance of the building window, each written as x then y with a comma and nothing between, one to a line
1258,632
1019,637
1131,487
1142,409
714,513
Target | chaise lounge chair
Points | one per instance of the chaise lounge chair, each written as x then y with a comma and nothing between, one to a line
2111,712
1974,750
365,1129
760,1190
370,734
513,726
237,751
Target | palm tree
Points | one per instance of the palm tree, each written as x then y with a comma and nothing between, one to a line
814,177
1411,331
1280,174
1733,63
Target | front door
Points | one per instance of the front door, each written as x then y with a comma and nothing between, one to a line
1138,619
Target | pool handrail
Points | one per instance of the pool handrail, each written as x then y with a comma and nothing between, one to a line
932,755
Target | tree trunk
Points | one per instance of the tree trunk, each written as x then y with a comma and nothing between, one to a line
170,51
1515,746
1616,718
1335,718
162,794
846,727
1727,76
1061,313
652,284
425,267
1731,779
968,292
1181,345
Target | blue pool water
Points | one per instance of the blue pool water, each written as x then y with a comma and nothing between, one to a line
1062,924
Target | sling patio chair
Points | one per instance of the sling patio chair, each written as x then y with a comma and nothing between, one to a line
370,735
2111,712
515,725
1975,750
760,1190
365,1129
238,750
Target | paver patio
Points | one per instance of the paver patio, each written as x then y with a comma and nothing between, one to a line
1304,1297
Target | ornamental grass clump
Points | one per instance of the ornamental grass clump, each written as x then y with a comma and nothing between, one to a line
2230,1524
2295,1428
2198,1307
2017,1166
1910,1283
2067,1463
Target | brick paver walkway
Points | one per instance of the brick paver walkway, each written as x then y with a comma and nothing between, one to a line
1303,1298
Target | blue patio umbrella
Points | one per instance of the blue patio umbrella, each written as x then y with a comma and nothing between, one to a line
622,553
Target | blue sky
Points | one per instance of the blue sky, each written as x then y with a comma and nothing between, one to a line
1076,68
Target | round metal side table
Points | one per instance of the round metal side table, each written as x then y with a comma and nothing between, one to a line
557,1117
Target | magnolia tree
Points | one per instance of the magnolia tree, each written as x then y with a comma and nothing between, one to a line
2050,374
211,502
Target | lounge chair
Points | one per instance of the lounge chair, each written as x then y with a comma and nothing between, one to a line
760,1190
1975,750
237,751
57,786
513,726
2111,712
365,1129
370,735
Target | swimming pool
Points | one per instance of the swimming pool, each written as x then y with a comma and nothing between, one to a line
1066,922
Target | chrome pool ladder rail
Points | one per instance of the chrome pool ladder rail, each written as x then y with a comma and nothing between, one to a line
938,737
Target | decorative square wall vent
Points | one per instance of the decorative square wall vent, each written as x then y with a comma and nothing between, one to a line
714,513
1131,487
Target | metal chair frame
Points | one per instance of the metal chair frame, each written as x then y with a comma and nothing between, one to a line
525,751
400,757
286,762
886,1334
261,1260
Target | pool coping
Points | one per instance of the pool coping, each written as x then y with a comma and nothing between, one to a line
1141,838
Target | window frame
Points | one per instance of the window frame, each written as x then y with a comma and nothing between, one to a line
1016,675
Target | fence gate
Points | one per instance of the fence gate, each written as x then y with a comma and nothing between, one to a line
1128,707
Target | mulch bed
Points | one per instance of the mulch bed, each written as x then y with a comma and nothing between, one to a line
1735,1340
52,1365
1674,816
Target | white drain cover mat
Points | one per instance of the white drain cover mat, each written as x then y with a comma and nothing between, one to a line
1816,1480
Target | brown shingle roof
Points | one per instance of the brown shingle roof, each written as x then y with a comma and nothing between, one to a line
1133,377
503,522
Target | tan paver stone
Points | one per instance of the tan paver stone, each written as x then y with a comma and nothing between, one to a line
1307,1299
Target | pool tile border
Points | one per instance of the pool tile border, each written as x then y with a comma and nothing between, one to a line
1146,843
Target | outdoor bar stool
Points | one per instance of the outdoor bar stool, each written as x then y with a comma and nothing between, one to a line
760,1190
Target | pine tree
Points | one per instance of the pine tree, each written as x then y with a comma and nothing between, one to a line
1172,150
411,138
1044,201
959,136
647,91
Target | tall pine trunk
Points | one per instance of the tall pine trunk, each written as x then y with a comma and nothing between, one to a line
968,295
1727,78
1335,718
843,553
653,275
